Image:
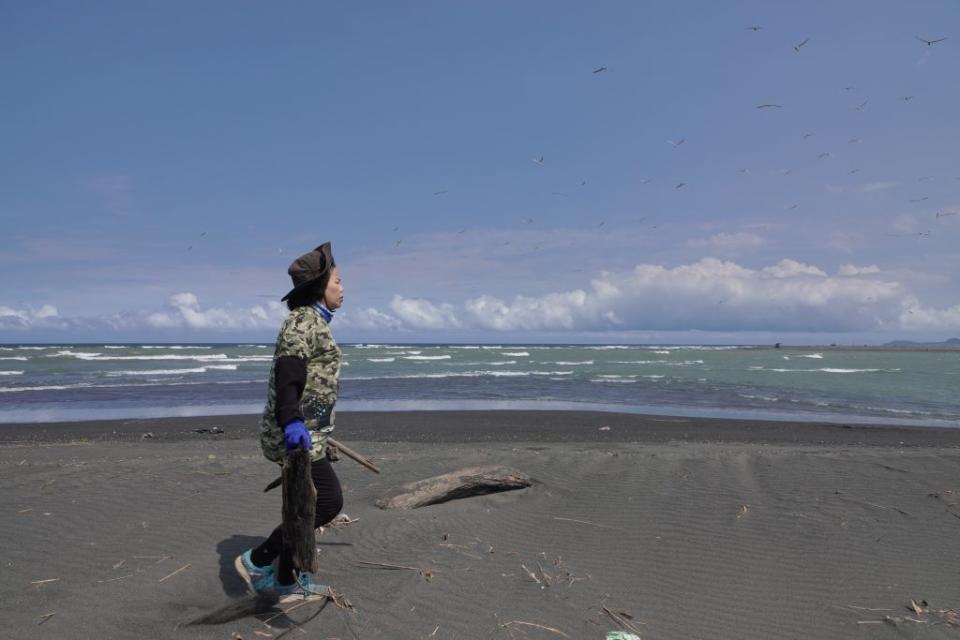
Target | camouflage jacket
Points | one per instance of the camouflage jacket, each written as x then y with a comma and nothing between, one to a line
304,335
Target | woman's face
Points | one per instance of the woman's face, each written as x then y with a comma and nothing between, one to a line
333,294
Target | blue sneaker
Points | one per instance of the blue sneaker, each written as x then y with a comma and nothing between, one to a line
303,590
258,579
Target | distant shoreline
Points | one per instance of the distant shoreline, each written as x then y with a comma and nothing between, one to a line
498,426
918,346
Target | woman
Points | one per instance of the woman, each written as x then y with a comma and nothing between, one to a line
299,414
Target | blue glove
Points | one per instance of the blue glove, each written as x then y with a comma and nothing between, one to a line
296,436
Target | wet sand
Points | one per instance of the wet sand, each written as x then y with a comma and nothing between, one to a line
697,528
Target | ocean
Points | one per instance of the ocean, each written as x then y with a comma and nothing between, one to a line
68,382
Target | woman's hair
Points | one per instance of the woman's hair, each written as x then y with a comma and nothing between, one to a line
310,294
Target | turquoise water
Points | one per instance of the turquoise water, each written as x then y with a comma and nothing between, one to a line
85,381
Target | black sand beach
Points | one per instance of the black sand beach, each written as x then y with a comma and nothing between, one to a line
697,528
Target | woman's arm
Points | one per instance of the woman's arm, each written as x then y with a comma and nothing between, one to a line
290,376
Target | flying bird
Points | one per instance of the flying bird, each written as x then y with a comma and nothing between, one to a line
745,172
853,171
680,185
944,214
439,193
807,135
538,161
678,142
583,183
792,207
930,42
853,140
924,178
769,106
920,199
907,98
860,106
785,172
796,47
825,154
599,69
849,88
753,28
559,193
646,181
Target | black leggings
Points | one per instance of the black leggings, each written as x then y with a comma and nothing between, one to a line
329,504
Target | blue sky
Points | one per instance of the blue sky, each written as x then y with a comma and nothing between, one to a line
164,163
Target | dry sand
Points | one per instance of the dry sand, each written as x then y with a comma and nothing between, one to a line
697,528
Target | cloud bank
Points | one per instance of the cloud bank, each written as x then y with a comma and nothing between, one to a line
707,295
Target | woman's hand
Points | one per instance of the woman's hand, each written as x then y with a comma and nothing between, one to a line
296,436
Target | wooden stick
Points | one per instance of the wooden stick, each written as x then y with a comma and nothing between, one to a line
120,578
46,617
603,526
534,624
626,624
39,582
175,572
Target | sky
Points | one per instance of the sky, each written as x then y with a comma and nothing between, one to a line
486,171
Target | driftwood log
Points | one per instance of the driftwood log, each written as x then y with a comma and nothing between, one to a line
464,483
299,510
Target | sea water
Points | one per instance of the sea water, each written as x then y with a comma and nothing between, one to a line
41,383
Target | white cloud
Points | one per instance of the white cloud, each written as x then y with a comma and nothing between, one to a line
29,317
369,319
423,314
710,294
853,270
707,295
791,268
185,311
915,316
729,241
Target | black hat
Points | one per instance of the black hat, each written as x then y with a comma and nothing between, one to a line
309,268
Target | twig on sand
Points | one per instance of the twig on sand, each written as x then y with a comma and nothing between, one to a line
28,509
532,575
427,575
119,564
867,608
544,575
880,506
284,612
175,572
39,583
434,632
534,624
46,617
623,619
602,526
299,626
118,578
